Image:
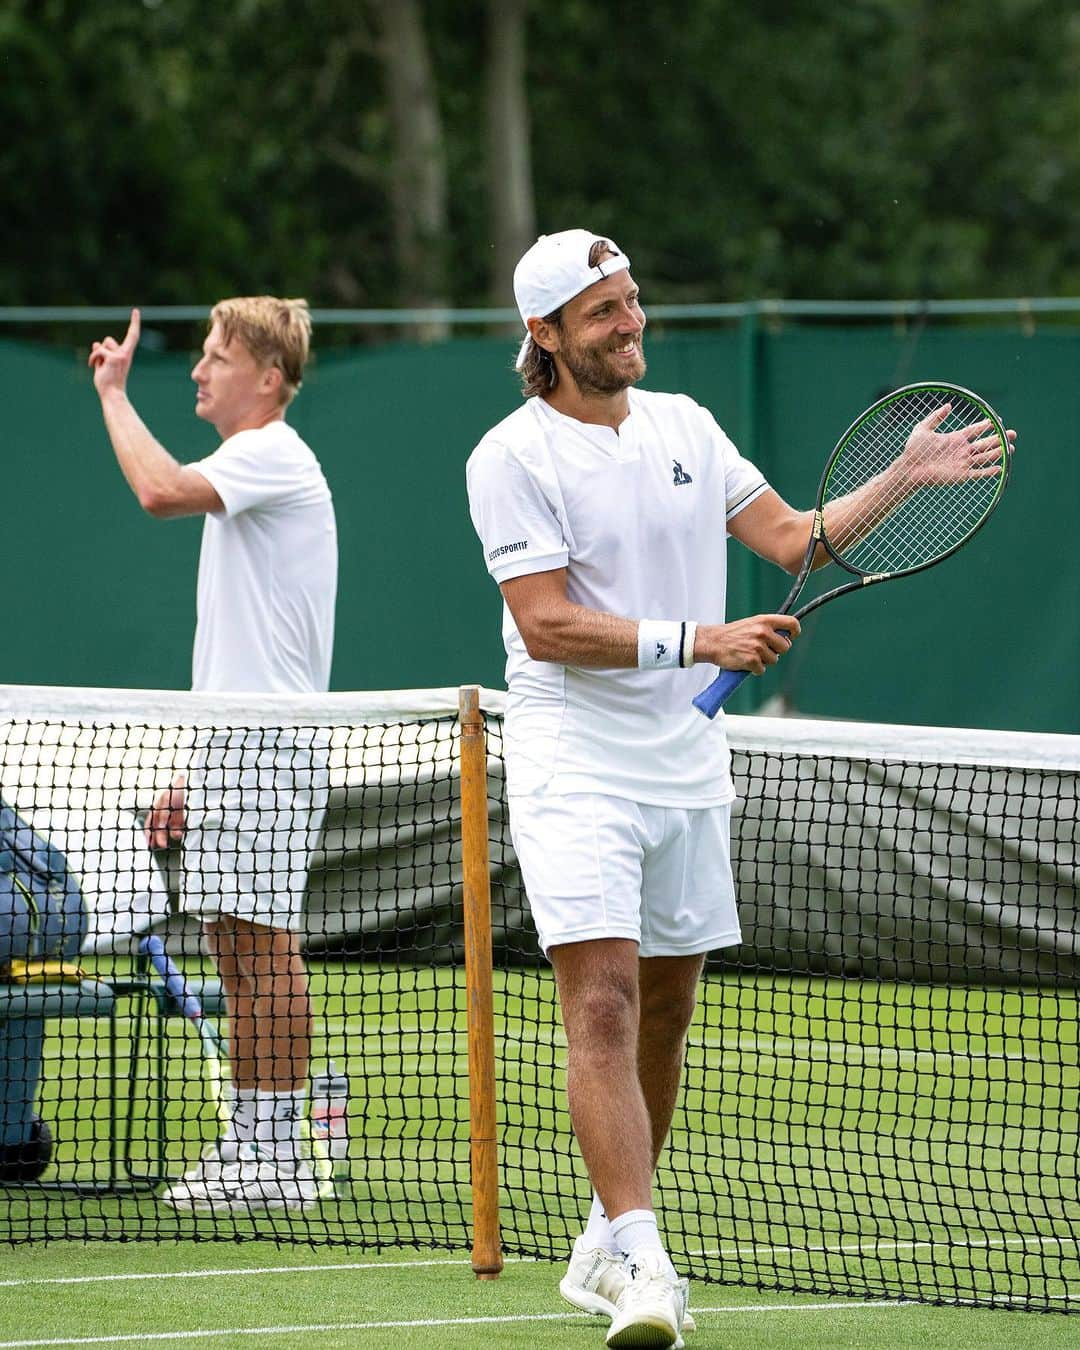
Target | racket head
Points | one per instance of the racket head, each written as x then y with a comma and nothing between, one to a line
943,513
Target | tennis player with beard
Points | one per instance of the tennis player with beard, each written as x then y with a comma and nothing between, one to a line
604,512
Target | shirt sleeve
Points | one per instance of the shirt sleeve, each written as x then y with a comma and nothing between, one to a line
251,469
743,481
517,525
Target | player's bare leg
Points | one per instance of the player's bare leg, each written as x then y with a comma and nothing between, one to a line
259,1162
266,991
598,999
609,1086
266,994
667,995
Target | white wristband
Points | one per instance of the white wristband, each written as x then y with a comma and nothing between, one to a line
686,651
662,645
658,644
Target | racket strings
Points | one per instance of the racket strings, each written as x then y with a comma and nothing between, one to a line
896,529
916,531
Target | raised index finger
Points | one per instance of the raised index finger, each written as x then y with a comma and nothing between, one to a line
131,337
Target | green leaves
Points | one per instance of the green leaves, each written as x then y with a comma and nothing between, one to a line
172,150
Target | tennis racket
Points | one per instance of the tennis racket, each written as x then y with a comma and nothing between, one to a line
213,1048
910,481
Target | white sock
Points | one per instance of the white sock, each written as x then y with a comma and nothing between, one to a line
241,1126
279,1117
636,1231
598,1231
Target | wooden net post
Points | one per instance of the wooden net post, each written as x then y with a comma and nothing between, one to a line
487,1259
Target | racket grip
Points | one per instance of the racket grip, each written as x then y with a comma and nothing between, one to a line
175,985
713,698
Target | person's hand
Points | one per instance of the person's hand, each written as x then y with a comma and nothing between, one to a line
933,457
111,360
166,820
747,644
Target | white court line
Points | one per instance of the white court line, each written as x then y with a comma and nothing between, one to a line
765,1047
780,1047
872,1245
245,1270
322,1328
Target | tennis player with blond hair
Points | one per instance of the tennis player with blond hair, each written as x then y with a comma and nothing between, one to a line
250,806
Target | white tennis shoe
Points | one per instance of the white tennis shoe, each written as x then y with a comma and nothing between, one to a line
594,1280
254,1181
190,1191
651,1310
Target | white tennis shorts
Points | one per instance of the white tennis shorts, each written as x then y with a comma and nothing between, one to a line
605,867
255,804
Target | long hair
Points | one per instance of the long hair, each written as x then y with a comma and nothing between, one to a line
538,371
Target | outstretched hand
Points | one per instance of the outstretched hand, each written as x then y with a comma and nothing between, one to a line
111,360
938,457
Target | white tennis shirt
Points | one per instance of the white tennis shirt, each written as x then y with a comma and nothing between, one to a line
267,568
638,518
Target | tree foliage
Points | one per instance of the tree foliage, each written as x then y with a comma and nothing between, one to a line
172,150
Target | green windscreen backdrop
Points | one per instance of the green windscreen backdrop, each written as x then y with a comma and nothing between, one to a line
97,593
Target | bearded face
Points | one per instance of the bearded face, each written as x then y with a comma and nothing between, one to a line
604,365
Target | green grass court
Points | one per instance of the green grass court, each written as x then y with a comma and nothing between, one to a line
839,1137
151,1295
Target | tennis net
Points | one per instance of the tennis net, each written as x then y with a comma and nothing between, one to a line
881,1087
356,796
880,1095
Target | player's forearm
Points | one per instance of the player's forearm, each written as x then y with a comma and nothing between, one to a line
574,635
594,640
150,470
849,519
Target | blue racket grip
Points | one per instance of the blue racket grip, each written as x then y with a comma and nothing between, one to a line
713,698
175,986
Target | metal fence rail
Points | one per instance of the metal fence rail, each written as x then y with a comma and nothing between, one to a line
802,309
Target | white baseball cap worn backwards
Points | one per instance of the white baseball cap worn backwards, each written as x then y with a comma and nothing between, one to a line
556,269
